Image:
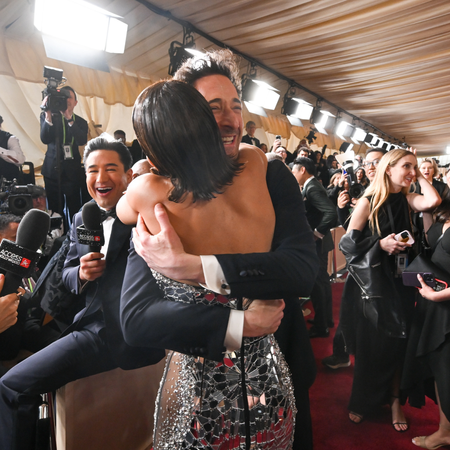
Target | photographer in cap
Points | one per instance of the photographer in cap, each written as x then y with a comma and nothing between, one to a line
11,155
62,171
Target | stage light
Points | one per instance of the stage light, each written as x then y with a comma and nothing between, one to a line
345,147
344,129
81,23
358,135
180,52
371,139
320,118
448,149
255,109
296,107
260,93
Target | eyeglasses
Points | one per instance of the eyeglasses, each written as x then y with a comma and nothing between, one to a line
372,163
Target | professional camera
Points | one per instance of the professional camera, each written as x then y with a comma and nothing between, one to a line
17,199
355,189
57,99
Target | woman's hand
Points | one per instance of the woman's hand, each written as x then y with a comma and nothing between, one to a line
390,245
430,294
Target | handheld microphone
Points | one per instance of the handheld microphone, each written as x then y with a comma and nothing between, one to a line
18,259
91,232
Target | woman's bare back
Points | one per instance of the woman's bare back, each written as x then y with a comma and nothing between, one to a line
240,220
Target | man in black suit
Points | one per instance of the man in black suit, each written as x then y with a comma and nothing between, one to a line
249,138
322,216
287,272
63,165
94,342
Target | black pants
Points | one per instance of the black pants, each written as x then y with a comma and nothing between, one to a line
77,355
321,295
67,202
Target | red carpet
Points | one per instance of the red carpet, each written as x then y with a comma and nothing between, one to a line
329,397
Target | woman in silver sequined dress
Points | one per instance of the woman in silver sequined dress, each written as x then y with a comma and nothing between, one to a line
217,204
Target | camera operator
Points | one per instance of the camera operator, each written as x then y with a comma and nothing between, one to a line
72,131
11,155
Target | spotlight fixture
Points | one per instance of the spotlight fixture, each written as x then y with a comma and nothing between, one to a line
345,147
319,117
358,135
295,109
180,52
371,140
81,23
448,150
258,92
343,129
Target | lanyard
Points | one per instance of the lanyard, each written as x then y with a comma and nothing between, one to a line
64,129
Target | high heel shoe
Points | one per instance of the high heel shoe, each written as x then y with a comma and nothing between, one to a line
420,442
394,397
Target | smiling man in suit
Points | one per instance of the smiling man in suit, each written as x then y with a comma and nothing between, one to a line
94,342
322,216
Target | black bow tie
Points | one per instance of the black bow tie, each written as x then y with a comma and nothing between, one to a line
105,214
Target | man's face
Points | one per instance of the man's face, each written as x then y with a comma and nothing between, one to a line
106,178
223,98
300,174
282,152
250,130
71,102
372,160
303,154
10,232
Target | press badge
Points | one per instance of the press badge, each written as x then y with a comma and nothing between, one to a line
68,152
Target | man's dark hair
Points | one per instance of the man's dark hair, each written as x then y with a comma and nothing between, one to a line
69,88
6,219
371,150
100,143
120,132
307,163
1,120
250,123
218,62
191,154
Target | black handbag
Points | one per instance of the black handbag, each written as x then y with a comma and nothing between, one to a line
368,265
422,264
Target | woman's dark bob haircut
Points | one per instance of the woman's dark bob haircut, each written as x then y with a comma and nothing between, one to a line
178,132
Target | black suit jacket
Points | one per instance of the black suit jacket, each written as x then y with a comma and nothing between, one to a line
248,140
102,296
70,168
320,212
287,272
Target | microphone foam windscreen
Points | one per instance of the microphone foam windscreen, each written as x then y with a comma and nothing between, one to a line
33,229
92,217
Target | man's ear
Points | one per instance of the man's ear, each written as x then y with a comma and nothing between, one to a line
129,174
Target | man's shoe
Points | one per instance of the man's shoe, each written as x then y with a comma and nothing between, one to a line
336,362
316,332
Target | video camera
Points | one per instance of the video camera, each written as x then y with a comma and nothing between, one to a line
17,199
346,161
57,98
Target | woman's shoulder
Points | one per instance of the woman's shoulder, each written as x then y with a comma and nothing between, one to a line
253,155
150,187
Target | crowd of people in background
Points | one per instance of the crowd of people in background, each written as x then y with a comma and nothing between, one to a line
281,207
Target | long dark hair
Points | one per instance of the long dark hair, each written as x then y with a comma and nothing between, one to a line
442,212
178,132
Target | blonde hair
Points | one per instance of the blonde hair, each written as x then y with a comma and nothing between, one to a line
433,163
379,189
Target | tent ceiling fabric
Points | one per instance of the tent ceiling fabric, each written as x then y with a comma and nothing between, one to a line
387,62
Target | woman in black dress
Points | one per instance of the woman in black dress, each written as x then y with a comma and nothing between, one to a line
430,334
376,332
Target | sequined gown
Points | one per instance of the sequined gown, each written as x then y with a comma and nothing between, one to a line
200,403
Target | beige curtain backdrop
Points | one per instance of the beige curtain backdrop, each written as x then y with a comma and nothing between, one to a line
387,62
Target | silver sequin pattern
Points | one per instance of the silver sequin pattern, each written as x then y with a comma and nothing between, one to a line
200,402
